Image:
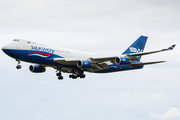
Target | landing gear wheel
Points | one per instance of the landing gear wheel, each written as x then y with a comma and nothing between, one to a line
74,77
82,76
58,74
70,76
18,66
60,77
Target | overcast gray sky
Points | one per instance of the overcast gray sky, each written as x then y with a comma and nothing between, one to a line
105,27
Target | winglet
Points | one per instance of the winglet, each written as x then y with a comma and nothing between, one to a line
172,47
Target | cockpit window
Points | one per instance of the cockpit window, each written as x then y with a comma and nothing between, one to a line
15,40
28,42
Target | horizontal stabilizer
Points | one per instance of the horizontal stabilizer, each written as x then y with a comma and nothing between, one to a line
146,63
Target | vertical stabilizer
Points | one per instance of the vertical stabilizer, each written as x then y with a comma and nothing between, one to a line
137,46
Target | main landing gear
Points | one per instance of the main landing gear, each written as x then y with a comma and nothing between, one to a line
60,77
18,66
76,74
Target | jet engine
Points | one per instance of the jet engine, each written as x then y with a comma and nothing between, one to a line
37,68
121,61
84,64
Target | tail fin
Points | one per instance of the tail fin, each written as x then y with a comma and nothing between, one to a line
137,46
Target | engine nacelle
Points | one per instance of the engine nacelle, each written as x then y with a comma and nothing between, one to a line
37,68
84,64
121,61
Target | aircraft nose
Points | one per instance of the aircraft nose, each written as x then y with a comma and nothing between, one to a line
5,47
9,49
9,46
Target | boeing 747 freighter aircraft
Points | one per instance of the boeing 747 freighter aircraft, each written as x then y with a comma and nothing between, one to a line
76,62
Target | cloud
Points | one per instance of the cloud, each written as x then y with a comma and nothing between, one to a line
45,83
170,114
120,111
40,116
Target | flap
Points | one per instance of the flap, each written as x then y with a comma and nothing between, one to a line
102,59
67,61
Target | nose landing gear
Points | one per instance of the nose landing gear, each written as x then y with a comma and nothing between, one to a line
18,66
60,77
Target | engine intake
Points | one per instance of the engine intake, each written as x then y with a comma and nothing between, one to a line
37,68
84,64
121,61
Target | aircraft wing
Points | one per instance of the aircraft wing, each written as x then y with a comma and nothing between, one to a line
100,62
66,61
130,56
146,63
146,53
73,62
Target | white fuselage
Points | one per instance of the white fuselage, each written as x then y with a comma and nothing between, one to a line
65,53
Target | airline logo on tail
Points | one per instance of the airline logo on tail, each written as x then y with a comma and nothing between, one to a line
135,50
